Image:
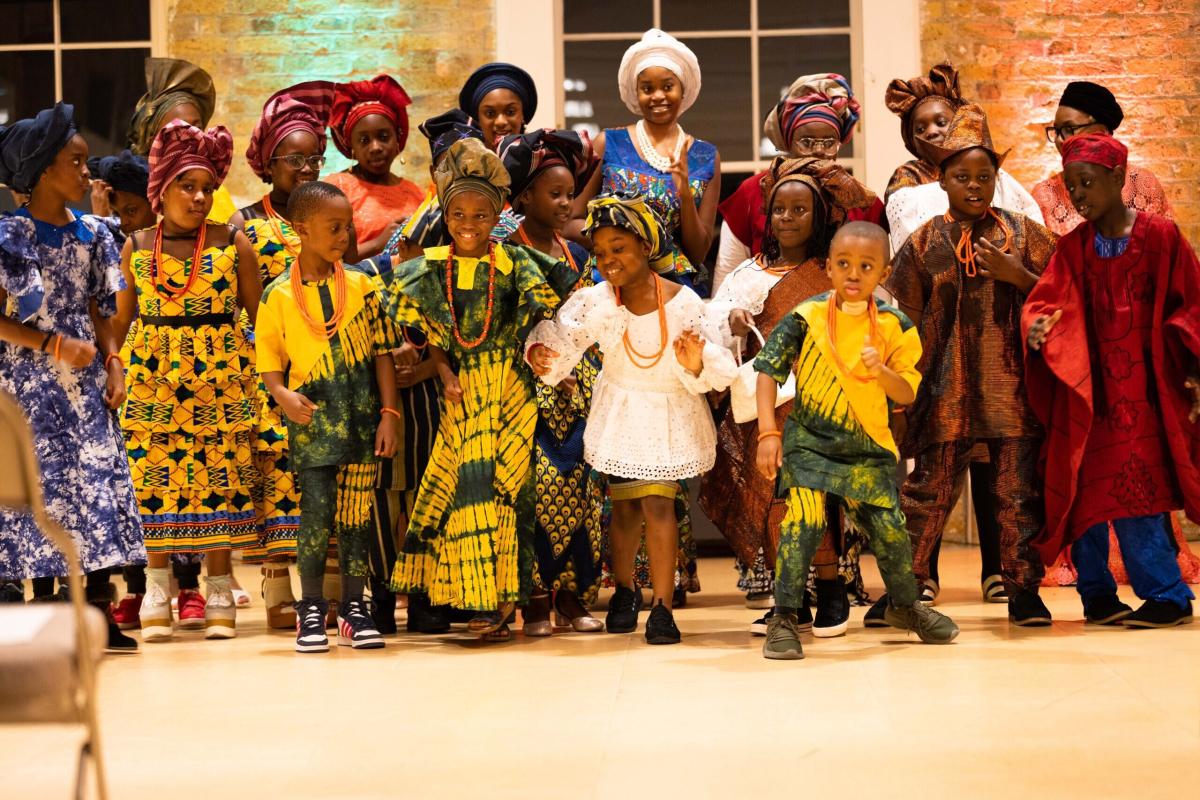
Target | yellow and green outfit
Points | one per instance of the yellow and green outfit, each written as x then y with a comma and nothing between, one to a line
837,447
333,456
469,541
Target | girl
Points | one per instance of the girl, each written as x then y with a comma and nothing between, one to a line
369,123
60,284
190,415
808,200
119,193
501,98
547,168
649,425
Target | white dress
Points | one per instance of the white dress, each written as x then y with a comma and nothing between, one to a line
644,424
744,288
911,207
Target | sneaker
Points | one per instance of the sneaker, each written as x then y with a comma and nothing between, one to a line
833,609
660,627
125,613
623,609
356,628
874,618
119,643
1026,609
12,592
220,613
192,609
1105,610
804,621
154,616
932,627
310,626
425,618
1159,614
783,639
757,600
930,591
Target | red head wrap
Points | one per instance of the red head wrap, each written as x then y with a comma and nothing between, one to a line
1095,148
353,101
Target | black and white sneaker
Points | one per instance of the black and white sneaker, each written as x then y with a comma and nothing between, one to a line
833,609
355,627
310,626
804,621
874,616
660,627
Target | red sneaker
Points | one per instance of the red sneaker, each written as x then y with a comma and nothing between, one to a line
191,609
127,612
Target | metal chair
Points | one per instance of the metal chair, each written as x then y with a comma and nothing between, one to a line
48,666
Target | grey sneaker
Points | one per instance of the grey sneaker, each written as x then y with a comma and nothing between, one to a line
933,627
783,638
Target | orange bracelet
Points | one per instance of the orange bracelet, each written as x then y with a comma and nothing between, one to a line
57,347
111,356
392,411
769,434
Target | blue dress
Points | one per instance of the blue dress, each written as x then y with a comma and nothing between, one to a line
51,275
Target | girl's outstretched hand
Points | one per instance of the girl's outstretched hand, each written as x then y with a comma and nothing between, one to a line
689,351
1041,329
541,359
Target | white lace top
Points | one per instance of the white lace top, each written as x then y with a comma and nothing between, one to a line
648,424
911,207
746,288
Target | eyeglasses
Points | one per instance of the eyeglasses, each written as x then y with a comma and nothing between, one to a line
1063,132
297,161
809,144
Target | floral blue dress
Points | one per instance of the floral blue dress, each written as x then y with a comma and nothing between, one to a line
51,275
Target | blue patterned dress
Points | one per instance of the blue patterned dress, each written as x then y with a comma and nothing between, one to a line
51,275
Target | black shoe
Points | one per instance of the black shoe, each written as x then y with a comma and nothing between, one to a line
310,626
1105,610
424,618
874,616
1026,609
833,609
804,621
118,642
1159,614
12,592
623,609
660,628
63,595
383,612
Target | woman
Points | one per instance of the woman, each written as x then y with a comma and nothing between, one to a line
501,98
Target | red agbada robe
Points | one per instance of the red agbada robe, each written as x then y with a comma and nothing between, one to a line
1060,380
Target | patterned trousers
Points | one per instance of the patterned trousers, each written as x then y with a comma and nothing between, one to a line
335,498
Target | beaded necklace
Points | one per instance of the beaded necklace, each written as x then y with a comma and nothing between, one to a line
650,155
191,268
276,223
470,344
831,331
570,259
321,329
653,358
964,251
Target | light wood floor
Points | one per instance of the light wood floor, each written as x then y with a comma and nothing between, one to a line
1003,712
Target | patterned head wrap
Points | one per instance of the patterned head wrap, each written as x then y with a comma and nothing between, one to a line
1095,101
469,166
834,189
823,98
968,130
352,101
303,107
658,49
903,98
29,146
446,129
124,172
179,147
630,212
498,75
528,155
1095,148
169,82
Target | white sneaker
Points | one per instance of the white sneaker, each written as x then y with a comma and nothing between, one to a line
155,615
220,615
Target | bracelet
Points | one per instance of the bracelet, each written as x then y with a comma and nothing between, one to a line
111,356
46,341
769,434
58,347
392,411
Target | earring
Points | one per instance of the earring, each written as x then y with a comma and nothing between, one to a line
403,163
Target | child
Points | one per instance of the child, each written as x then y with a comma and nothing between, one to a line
470,535
60,284
853,356
119,190
961,278
1113,327
649,425
190,414
547,168
324,352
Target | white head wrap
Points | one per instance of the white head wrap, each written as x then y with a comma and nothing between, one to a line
658,49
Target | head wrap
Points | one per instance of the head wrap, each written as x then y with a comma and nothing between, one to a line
498,75
630,212
968,130
303,107
1095,101
1095,148
528,155
179,147
446,129
658,49
124,173
903,98
29,146
469,166
823,98
352,101
833,185
169,82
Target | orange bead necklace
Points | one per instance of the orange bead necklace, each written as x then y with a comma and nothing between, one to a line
831,331
191,268
964,251
653,358
327,328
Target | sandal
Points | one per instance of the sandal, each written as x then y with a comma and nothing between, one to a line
488,621
929,592
993,590
277,596
501,634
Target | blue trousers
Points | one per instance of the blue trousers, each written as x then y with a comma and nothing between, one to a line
1149,556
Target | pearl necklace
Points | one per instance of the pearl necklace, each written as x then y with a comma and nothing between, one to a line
653,157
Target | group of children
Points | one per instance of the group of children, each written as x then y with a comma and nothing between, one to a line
488,396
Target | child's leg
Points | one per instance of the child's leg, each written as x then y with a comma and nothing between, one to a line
355,492
318,506
1150,559
1089,553
987,512
1019,513
928,495
624,538
799,536
662,545
885,529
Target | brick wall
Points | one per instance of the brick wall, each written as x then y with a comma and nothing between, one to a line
254,47
1016,56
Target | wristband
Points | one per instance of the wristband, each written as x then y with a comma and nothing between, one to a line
111,356
58,347
392,411
769,434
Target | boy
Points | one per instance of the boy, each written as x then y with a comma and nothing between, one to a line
961,278
852,355
1114,333
324,352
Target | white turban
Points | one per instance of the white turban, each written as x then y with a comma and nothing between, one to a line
658,49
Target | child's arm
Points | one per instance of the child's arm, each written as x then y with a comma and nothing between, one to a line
109,345
554,347
703,365
298,408
451,387
389,415
249,281
770,438
74,352
998,265
895,387
127,297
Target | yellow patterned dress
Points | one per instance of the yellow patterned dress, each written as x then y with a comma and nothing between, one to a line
189,419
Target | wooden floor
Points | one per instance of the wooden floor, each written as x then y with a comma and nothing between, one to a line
1062,712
